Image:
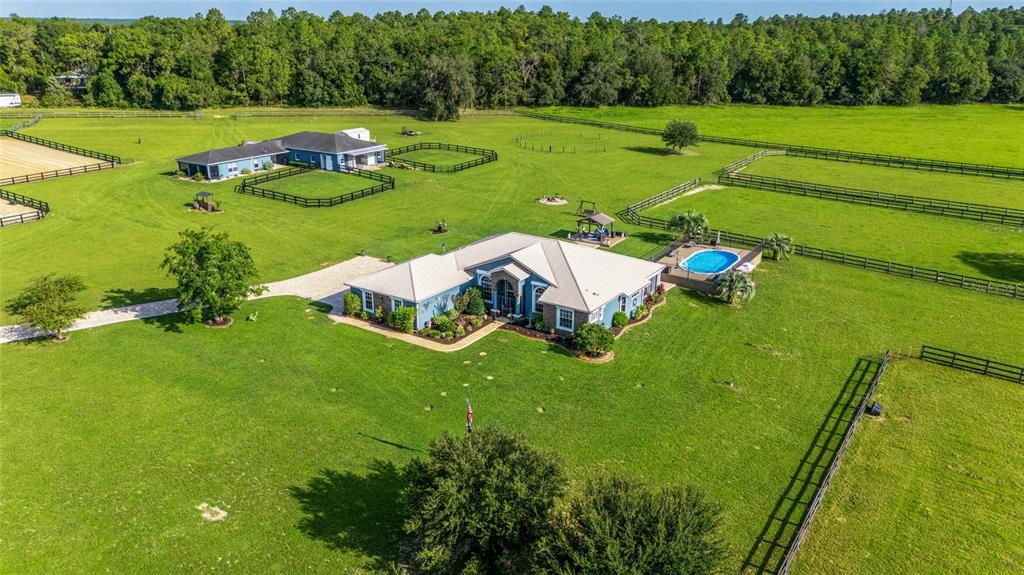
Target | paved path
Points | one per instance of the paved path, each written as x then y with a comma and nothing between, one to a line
326,285
417,340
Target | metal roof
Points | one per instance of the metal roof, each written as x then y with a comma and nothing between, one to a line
336,143
235,153
580,278
600,219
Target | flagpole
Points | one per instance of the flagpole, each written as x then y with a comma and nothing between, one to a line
469,414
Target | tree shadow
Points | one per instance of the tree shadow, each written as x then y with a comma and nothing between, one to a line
126,297
653,150
660,238
1005,266
355,512
171,323
780,530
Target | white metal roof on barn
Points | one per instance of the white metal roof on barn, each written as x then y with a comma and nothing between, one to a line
579,277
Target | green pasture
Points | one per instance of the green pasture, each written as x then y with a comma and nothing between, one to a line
319,184
930,484
438,157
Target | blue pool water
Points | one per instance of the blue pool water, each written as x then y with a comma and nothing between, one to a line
709,261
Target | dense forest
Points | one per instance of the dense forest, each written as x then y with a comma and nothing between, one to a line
442,61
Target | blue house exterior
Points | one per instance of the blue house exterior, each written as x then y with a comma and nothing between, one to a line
338,152
563,284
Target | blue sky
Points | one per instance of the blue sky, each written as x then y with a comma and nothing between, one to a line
659,9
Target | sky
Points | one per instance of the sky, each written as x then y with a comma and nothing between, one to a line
644,9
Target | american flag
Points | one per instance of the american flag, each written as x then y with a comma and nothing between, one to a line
469,416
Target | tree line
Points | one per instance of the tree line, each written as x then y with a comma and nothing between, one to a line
443,61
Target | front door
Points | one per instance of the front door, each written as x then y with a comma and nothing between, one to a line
506,297
329,163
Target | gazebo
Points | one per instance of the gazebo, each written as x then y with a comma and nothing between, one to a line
597,226
204,202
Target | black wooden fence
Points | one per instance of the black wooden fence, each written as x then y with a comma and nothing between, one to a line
994,287
105,114
805,525
248,187
41,208
918,204
486,156
740,164
814,152
663,197
974,364
62,147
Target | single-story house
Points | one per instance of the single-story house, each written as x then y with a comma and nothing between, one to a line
519,275
338,152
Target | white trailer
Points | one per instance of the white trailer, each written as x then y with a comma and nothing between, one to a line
10,100
358,133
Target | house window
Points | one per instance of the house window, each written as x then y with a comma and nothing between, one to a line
368,301
537,306
296,156
566,319
232,168
485,287
636,299
396,303
622,303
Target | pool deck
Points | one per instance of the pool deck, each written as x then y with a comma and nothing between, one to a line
701,282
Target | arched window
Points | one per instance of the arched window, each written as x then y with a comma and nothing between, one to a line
537,306
485,287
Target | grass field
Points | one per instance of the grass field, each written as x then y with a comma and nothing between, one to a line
961,246
980,190
294,424
927,486
319,184
438,157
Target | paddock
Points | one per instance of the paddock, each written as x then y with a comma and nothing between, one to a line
19,158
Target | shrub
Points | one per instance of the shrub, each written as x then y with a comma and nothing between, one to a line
179,174
619,526
364,315
460,302
403,319
353,303
620,319
640,311
459,330
433,333
594,339
268,165
735,287
476,321
537,321
246,171
443,322
479,501
198,176
476,302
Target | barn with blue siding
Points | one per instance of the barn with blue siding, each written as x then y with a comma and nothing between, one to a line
339,152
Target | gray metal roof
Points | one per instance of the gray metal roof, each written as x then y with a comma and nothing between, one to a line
336,143
234,153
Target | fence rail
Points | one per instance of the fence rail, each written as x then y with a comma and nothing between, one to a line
814,152
974,364
486,156
248,187
62,147
41,208
994,287
323,112
740,164
106,114
665,196
937,207
56,173
27,123
805,525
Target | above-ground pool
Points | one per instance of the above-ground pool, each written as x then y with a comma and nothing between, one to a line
709,261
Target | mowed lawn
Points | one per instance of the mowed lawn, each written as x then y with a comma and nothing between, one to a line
112,227
998,192
319,184
438,157
931,487
291,423
960,246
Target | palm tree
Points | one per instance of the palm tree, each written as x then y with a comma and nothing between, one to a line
691,223
778,246
735,287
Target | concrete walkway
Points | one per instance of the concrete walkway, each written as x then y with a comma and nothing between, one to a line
409,338
326,285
